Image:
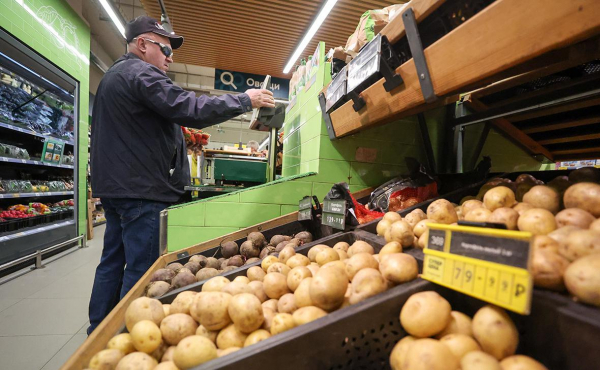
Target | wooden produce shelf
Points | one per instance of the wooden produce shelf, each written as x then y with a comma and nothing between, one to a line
507,39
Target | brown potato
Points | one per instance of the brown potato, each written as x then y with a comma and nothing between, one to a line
242,279
507,216
582,279
168,355
296,275
499,197
542,196
562,235
312,253
401,232
210,334
279,267
327,288
106,359
137,361
193,351
470,205
400,351
176,327
167,309
584,195
271,303
429,354
358,262
258,289
459,324
360,246
144,308
383,226
302,293
522,207
537,221
367,283
580,243
479,360
246,312
215,284
267,262
235,288
544,242
167,365
287,252
521,362
182,303
595,225
327,255
275,285
210,310
423,239
425,314
256,336
548,269
313,267
268,314
282,322
343,255
392,217
495,332
287,303
442,211
478,215
421,227
122,342
398,268
460,344
343,246
574,217
146,336
414,217
307,314
391,247
231,336
298,260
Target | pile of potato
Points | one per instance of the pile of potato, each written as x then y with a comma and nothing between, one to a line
444,339
200,267
280,294
561,215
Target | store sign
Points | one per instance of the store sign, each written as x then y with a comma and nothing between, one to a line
305,209
573,165
53,151
334,213
488,264
240,82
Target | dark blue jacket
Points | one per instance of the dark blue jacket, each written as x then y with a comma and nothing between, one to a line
136,137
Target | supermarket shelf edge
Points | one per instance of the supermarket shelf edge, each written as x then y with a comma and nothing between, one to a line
33,195
38,163
36,230
30,132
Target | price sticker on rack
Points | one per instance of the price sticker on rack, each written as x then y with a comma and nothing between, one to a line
488,264
305,209
334,213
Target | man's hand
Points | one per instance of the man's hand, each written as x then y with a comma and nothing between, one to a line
261,98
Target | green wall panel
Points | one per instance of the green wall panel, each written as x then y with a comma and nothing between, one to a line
24,19
287,193
288,209
192,215
180,237
239,214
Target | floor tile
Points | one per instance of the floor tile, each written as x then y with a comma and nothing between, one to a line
29,352
30,283
44,317
65,352
7,302
84,327
71,286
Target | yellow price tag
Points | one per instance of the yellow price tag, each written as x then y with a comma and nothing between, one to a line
488,264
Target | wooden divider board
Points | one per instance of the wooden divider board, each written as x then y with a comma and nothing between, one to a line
114,323
503,35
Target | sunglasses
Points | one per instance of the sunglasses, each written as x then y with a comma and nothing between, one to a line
166,50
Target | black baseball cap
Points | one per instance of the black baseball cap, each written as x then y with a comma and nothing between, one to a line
144,24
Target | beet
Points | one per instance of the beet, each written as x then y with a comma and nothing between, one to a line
266,251
175,266
206,273
229,249
257,239
194,267
278,239
212,262
236,261
183,278
585,174
229,268
304,236
163,275
249,249
282,245
157,289
200,259
253,259
224,264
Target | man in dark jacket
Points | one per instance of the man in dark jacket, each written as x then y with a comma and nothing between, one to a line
139,160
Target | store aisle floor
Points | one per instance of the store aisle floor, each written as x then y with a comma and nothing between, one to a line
44,313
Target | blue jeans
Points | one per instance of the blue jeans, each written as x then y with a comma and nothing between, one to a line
130,247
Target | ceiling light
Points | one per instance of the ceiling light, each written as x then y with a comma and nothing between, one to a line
309,35
111,13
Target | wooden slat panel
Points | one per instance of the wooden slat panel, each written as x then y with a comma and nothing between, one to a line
511,131
570,139
555,110
394,31
562,125
460,59
567,152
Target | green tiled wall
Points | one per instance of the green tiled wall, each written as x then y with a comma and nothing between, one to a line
16,18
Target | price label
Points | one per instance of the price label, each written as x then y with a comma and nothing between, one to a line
305,209
488,264
334,213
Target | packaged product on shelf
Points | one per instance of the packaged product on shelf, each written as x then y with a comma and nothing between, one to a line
370,24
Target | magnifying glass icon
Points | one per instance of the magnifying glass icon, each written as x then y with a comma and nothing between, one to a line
229,81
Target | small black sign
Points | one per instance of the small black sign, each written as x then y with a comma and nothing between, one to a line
512,252
305,209
334,213
437,239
